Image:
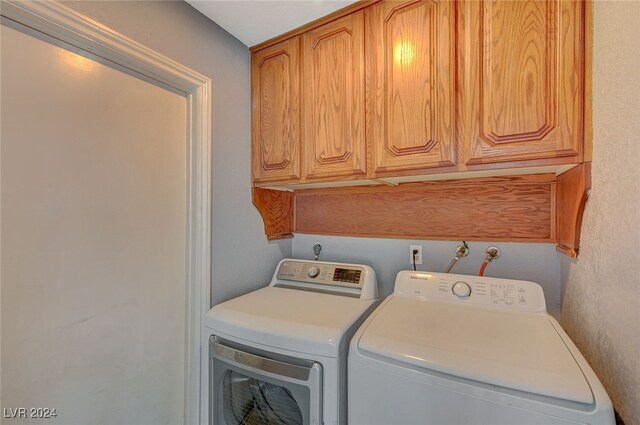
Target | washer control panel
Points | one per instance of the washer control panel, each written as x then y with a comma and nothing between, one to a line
501,293
320,275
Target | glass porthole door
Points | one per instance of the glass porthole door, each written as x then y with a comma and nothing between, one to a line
251,388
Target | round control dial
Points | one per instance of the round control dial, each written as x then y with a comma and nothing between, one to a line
461,289
313,271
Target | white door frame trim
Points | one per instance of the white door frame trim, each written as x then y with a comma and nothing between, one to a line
58,21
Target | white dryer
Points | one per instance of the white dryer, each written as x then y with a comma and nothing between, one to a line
278,355
455,349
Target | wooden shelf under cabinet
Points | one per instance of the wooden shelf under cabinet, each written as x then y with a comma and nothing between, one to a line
524,208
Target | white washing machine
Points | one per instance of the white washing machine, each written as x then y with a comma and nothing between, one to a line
455,349
278,355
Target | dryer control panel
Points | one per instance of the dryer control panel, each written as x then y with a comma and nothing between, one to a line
501,293
349,279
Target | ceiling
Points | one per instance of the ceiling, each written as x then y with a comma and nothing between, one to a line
254,21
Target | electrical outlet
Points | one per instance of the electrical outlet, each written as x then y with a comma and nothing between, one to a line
418,256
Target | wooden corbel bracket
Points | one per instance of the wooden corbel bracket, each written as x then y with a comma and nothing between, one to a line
572,191
276,209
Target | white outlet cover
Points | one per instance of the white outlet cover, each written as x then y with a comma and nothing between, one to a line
418,257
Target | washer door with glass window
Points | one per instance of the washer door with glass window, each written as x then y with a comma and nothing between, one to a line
252,387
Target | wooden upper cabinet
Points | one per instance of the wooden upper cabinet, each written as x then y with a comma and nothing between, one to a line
412,64
334,106
399,88
521,80
275,79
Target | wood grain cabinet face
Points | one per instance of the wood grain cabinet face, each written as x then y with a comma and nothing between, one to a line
412,63
520,80
334,108
275,77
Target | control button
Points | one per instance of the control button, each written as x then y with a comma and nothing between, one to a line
313,271
461,290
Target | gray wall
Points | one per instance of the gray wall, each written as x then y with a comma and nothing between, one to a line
539,263
601,288
242,258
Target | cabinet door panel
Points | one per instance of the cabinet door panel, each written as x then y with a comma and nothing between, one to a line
521,79
333,74
276,112
412,84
